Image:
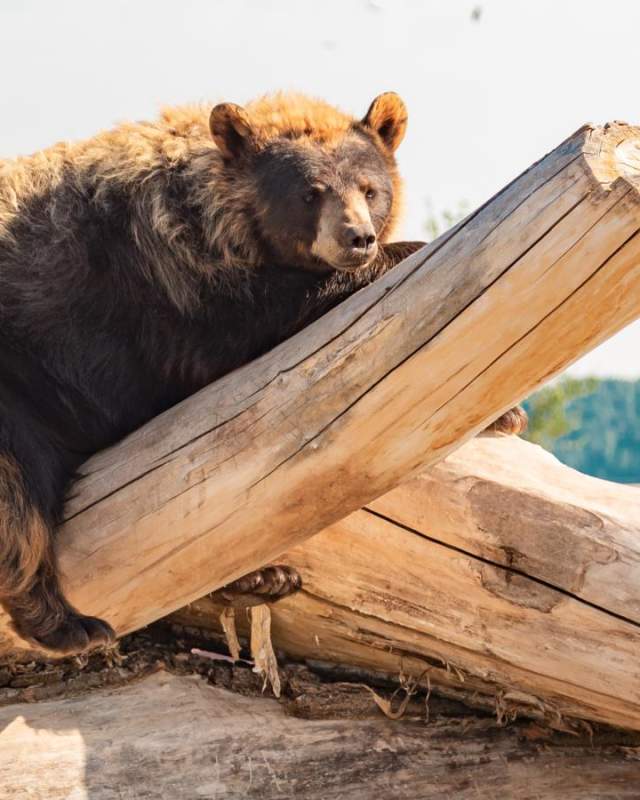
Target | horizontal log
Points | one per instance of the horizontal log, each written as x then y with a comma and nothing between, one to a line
517,506
391,381
500,576
177,737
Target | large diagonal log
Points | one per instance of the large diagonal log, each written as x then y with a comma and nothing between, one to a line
389,382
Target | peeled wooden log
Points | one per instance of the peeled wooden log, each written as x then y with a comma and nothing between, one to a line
391,381
500,575
176,737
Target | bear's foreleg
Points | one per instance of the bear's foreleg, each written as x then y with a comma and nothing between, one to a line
392,253
29,586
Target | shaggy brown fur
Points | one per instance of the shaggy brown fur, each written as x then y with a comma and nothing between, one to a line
134,161
146,262
139,265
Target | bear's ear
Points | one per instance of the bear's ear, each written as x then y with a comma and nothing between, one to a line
231,130
387,115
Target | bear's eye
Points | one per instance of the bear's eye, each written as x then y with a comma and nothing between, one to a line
370,193
313,193
311,196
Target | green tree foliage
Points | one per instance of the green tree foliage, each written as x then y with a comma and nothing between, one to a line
550,413
591,425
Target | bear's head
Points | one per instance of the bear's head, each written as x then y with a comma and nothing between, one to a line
322,186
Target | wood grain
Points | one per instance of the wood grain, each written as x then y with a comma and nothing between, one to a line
178,738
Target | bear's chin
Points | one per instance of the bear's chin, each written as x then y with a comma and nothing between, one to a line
353,266
327,267
352,263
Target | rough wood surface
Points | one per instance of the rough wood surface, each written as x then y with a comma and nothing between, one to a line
178,738
500,575
391,381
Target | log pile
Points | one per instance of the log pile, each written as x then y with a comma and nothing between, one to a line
480,568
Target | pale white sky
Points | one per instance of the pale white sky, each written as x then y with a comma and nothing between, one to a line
486,98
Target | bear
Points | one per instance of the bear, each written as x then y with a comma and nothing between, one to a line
146,262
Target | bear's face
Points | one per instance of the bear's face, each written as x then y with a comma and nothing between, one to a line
322,199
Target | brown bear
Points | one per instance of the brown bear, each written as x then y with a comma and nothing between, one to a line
146,262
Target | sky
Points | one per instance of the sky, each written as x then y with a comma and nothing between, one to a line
491,86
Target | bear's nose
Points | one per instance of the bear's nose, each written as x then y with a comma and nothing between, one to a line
360,237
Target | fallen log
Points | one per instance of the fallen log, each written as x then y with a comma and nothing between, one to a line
391,381
500,576
177,737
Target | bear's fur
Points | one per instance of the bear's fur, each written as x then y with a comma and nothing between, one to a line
146,262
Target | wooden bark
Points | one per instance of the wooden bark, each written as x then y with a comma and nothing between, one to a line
501,576
178,738
391,381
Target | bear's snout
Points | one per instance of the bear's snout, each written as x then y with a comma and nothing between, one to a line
359,238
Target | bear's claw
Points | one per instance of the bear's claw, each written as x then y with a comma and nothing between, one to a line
264,585
513,422
76,634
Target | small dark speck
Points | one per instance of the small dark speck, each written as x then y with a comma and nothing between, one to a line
476,13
